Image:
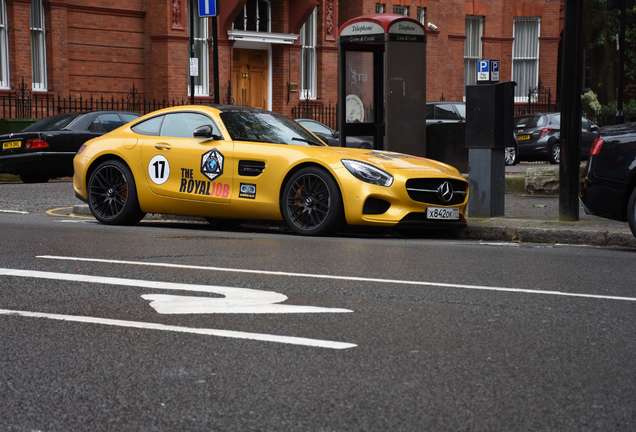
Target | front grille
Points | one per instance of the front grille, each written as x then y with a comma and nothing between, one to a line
426,190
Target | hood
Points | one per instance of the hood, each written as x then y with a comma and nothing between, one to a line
391,161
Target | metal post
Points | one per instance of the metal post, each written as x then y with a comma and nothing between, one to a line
570,93
215,57
192,8
620,115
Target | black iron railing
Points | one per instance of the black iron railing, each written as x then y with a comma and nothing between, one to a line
316,111
539,100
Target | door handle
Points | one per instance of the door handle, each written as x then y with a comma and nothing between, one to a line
162,146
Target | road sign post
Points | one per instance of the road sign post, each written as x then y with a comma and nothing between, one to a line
208,8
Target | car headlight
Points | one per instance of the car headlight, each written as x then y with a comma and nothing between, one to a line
368,173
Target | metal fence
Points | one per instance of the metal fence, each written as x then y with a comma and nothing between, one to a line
539,100
24,104
316,111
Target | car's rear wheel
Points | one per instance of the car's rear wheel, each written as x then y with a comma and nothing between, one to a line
555,153
34,178
112,194
631,212
311,202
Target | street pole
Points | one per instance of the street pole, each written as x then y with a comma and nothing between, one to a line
192,9
215,58
570,97
620,115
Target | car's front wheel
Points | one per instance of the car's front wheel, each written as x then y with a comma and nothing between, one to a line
631,212
112,194
510,156
311,202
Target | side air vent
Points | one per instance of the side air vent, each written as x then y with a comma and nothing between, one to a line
249,168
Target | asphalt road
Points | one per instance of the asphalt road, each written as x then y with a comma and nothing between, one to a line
393,333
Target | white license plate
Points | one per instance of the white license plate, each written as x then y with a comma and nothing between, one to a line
442,213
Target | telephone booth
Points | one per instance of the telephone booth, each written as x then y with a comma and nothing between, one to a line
382,82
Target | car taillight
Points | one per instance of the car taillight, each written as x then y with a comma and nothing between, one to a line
597,146
544,132
36,144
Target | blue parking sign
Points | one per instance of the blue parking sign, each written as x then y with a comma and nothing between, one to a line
494,70
207,8
483,71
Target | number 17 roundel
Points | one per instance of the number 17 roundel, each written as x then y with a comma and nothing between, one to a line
159,169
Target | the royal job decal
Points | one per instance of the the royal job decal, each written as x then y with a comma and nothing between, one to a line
190,185
212,164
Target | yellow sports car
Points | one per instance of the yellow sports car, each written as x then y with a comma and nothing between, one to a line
227,162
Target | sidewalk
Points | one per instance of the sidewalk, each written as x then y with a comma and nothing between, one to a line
534,219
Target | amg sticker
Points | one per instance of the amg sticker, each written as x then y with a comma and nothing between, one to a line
212,164
247,190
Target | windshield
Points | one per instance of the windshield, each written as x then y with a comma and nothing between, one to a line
266,127
531,122
57,122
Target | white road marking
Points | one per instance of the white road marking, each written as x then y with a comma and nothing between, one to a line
75,221
14,211
345,278
318,343
235,300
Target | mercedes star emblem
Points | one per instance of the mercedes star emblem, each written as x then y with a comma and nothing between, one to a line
445,191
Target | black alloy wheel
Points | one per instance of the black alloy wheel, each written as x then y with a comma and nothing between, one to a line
112,195
311,202
555,153
631,212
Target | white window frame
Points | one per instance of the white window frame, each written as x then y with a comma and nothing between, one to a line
258,18
309,91
475,57
401,10
380,8
4,47
201,38
524,98
38,46
421,15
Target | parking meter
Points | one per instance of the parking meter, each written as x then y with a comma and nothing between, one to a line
489,121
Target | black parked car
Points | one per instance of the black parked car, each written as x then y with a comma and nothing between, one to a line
609,189
45,149
538,137
330,136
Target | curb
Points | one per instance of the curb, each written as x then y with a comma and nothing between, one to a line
551,235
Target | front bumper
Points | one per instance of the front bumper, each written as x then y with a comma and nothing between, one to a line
402,210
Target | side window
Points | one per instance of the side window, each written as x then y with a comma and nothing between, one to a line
445,112
429,112
105,123
149,127
182,125
126,117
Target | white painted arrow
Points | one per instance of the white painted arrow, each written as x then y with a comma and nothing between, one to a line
234,300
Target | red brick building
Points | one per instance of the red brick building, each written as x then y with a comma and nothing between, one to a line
272,53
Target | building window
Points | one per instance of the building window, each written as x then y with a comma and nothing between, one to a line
525,56
473,48
255,16
401,10
202,53
380,8
38,46
4,46
308,67
421,15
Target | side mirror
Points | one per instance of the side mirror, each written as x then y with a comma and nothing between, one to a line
206,131
594,128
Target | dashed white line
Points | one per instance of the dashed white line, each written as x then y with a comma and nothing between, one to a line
318,343
344,278
14,211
